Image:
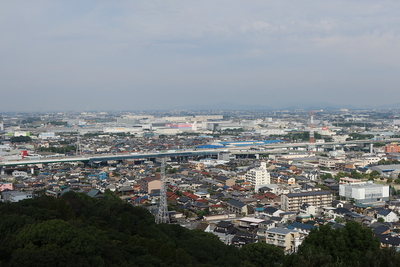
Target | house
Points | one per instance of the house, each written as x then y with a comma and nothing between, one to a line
302,228
381,230
95,193
272,212
387,215
389,241
308,209
206,227
225,230
237,207
267,224
240,239
6,186
225,180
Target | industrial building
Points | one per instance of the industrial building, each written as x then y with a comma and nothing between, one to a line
365,192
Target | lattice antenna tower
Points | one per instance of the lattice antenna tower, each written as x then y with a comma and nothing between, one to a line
163,214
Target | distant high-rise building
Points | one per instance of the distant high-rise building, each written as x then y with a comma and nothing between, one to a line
258,176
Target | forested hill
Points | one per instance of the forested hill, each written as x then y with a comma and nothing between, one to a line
77,230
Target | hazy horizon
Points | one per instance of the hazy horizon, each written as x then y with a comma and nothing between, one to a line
149,55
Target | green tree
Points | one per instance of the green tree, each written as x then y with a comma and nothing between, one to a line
340,175
356,175
57,243
20,139
352,245
262,254
374,173
326,176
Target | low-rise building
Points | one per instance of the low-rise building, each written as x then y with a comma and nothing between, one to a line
287,239
14,196
237,207
364,192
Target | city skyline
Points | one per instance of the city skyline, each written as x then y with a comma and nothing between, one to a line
153,55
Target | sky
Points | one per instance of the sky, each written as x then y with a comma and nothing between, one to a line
168,54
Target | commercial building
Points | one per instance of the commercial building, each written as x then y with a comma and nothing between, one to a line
364,192
293,202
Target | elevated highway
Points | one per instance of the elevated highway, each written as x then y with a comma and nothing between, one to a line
186,153
108,157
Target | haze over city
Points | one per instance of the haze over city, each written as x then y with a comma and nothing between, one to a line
129,55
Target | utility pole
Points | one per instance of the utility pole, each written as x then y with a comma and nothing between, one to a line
163,214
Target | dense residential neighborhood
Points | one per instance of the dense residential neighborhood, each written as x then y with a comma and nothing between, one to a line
258,180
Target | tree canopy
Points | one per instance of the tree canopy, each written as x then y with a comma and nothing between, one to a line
77,230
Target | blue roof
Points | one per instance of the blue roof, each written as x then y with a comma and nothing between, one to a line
206,136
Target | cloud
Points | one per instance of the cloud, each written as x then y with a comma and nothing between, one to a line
222,48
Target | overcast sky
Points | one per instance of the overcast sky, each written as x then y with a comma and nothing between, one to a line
129,55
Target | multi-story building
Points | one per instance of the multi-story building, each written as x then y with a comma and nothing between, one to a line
287,239
148,184
327,162
258,176
292,202
392,148
341,166
237,207
364,192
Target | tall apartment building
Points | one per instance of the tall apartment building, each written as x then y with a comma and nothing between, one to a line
258,177
292,202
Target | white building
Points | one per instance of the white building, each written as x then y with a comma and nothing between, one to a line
258,177
271,131
19,174
47,135
14,196
364,192
387,215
